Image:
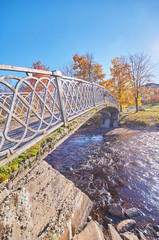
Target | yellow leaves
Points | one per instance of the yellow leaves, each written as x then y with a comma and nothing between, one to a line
119,83
151,94
86,68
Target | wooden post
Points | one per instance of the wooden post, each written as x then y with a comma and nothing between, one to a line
58,76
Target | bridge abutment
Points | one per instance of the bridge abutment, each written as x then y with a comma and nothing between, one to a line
109,117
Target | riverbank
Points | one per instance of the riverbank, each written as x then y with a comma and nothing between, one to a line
147,116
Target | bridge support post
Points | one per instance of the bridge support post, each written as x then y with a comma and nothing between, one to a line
58,76
105,120
114,117
109,118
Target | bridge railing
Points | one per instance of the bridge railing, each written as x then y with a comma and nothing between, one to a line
32,107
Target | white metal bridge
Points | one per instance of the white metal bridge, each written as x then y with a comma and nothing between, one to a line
33,107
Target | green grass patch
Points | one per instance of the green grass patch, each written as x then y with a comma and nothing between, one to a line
7,169
148,116
94,110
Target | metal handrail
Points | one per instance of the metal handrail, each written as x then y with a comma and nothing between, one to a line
26,117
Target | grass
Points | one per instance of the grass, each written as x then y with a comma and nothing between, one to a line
7,169
94,110
147,116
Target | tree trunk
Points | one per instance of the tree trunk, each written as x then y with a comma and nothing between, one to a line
136,103
121,109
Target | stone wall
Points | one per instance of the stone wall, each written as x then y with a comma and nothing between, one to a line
42,204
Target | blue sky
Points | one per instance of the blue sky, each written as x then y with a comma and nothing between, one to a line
53,31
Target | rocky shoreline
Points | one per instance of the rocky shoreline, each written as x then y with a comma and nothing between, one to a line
120,223
123,224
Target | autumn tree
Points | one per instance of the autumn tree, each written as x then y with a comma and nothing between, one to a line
120,82
152,93
86,68
141,73
39,66
39,87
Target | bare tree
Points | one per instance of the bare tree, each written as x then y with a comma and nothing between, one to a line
141,68
68,70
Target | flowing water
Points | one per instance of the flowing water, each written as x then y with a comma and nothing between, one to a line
117,166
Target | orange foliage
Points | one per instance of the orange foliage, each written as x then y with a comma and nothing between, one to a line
120,82
39,66
39,86
87,69
152,95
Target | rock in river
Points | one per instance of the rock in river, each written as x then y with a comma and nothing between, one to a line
126,225
115,210
141,236
129,236
132,212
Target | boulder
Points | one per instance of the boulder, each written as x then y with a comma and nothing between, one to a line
39,202
129,236
132,212
126,225
141,236
113,234
115,210
90,232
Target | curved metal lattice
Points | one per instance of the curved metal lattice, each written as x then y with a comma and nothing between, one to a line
31,107
6,98
24,115
78,96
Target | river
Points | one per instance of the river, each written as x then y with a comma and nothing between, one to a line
113,166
